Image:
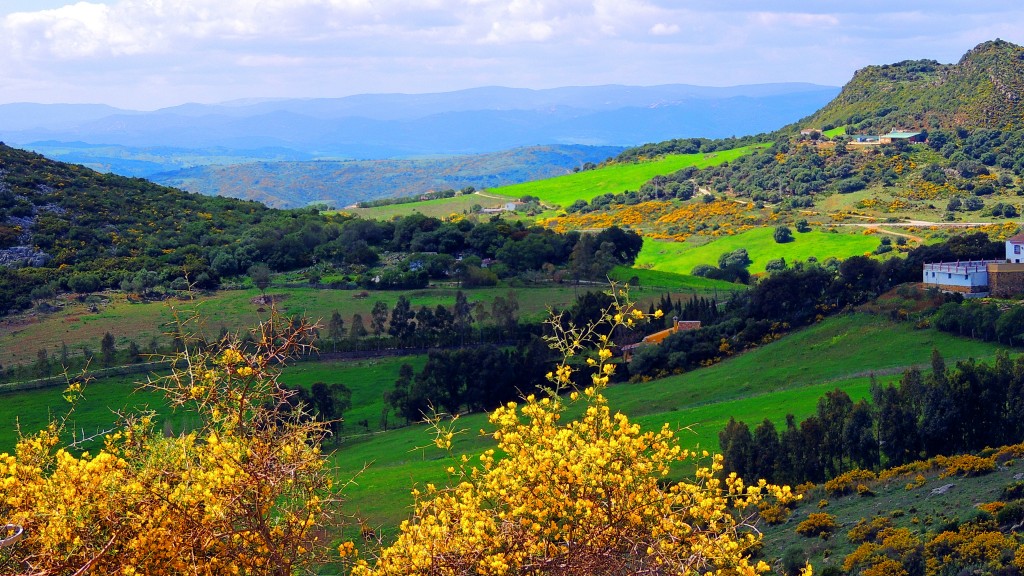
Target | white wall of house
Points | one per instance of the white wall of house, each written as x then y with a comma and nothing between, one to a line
1014,252
966,275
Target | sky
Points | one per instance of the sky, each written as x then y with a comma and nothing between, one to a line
148,54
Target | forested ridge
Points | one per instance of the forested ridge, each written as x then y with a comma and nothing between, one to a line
88,231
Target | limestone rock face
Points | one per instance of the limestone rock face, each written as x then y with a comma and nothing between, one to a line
23,256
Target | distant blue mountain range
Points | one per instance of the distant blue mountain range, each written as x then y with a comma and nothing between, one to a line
398,126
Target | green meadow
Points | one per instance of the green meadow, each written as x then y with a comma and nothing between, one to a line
21,338
662,280
681,257
440,208
560,190
786,376
564,190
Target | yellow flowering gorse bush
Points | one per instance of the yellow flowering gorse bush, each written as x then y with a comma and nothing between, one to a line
243,493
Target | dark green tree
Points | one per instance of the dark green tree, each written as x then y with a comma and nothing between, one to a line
134,352
379,317
782,234
505,312
737,448
331,401
335,328
260,276
108,350
403,324
357,329
833,410
766,451
42,366
859,437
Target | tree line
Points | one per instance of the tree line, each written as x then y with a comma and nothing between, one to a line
945,411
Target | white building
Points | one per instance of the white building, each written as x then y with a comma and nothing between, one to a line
979,278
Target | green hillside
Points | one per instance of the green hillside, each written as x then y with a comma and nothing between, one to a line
565,190
681,257
786,376
438,208
77,325
980,91
343,183
663,280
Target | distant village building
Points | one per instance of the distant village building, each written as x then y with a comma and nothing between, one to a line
506,207
865,139
657,338
896,135
980,278
893,136
809,131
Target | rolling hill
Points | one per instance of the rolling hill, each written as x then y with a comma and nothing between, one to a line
339,184
982,90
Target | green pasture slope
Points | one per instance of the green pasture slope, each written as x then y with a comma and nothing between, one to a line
662,280
439,208
21,337
367,378
560,190
682,257
234,310
786,376
564,190
95,412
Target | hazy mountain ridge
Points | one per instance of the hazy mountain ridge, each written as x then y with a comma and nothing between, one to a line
462,122
341,183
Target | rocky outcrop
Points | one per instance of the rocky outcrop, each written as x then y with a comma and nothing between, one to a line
22,256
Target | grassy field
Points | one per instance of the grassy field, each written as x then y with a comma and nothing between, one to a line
661,280
439,208
95,412
786,376
561,190
564,190
22,335
681,257
368,379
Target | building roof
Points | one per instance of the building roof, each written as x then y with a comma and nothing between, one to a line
895,134
1018,239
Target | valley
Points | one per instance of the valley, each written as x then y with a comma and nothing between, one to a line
760,297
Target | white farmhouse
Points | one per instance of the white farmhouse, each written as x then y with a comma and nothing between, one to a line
979,278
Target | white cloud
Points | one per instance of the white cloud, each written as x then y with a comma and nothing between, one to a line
795,20
167,51
662,29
